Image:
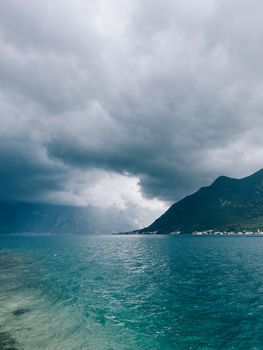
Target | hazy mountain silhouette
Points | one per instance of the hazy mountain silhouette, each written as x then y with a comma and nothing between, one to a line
21,217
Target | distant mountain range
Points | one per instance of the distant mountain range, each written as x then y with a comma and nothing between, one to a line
20,217
227,205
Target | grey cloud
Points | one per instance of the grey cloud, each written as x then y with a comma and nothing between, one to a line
24,175
162,90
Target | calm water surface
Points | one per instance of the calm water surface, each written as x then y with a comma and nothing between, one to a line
131,292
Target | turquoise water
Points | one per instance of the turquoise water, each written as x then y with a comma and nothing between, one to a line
131,292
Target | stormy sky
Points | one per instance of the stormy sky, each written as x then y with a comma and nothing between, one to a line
119,102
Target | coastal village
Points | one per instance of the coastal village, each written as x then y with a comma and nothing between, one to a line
228,233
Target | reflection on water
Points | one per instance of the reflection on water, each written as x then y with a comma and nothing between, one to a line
130,292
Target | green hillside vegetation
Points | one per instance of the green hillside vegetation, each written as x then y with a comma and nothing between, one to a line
227,205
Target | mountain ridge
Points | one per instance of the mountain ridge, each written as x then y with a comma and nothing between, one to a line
227,204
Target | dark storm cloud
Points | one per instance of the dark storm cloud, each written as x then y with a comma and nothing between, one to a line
26,173
167,91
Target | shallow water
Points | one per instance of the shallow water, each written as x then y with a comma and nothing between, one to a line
131,292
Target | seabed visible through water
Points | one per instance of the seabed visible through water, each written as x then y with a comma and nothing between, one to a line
131,292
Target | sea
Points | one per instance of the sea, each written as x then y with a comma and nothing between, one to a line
131,292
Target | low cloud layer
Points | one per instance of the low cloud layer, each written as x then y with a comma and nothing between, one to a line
119,102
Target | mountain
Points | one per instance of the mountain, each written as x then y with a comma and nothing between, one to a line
227,205
20,217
